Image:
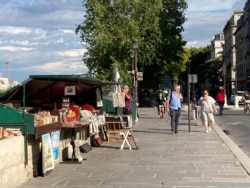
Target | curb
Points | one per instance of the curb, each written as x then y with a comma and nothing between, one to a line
238,153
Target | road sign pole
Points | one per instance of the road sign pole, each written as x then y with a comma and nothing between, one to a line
188,94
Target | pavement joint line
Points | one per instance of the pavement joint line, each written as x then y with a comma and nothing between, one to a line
219,163
238,153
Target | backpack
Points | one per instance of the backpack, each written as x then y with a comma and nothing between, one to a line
170,98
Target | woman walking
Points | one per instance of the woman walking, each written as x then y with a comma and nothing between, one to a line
220,98
161,104
208,107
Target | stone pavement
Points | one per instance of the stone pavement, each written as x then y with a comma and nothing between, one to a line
192,159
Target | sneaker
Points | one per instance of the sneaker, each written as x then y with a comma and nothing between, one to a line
206,131
209,128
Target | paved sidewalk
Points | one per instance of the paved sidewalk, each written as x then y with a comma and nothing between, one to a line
192,159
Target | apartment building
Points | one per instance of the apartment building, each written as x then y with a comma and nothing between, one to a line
242,36
229,52
216,49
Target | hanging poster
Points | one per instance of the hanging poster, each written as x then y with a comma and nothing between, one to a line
70,90
47,155
98,98
55,141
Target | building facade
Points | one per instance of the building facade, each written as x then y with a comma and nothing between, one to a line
229,53
217,45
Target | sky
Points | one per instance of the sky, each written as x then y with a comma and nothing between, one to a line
37,37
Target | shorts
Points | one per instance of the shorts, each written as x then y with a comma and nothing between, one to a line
205,117
161,106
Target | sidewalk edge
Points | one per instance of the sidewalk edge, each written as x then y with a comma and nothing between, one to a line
238,153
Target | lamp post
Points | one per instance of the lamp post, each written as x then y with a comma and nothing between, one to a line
133,56
135,48
224,72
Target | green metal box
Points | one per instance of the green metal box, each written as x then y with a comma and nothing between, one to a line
109,108
14,118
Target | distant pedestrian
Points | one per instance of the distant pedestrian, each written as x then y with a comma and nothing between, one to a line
127,110
246,100
208,107
161,104
220,98
173,106
165,93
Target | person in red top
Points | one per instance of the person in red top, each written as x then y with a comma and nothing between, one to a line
220,98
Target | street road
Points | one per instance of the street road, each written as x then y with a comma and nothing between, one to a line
237,125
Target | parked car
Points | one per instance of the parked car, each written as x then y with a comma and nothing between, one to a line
238,95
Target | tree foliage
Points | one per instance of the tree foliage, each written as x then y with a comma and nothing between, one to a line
109,27
204,67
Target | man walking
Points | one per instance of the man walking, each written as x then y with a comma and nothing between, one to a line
173,106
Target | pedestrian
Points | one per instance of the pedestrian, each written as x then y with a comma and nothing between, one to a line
161,102
220,98
208,107
165,93
173,106
246,100
127,110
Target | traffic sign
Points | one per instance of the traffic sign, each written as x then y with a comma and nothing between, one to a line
139,76
192,78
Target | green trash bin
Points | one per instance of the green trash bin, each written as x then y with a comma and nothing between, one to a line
134,110
109,109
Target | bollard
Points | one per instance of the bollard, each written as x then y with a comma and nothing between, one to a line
194,115
225,104
198,119
236,102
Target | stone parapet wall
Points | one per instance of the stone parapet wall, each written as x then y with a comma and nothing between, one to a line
13,171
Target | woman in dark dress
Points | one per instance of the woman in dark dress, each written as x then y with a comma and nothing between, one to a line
161,104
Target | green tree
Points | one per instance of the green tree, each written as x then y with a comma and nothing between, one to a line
109,27
204,67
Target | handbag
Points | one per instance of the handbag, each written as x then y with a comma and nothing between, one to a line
85,148
96,141
118,97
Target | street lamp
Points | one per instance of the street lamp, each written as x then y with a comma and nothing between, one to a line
135,48
224,72
133,55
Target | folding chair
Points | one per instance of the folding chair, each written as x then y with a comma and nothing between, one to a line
128,129
116,125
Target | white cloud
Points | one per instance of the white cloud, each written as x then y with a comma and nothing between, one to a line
14,30
211,5
39,36
205,19
15,49
72,53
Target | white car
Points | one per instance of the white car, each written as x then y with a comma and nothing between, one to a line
239,95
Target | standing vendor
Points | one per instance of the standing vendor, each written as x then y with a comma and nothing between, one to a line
127,110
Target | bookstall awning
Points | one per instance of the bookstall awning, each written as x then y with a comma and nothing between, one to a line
44,88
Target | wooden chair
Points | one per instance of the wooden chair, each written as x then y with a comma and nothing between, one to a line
118,130
114,127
